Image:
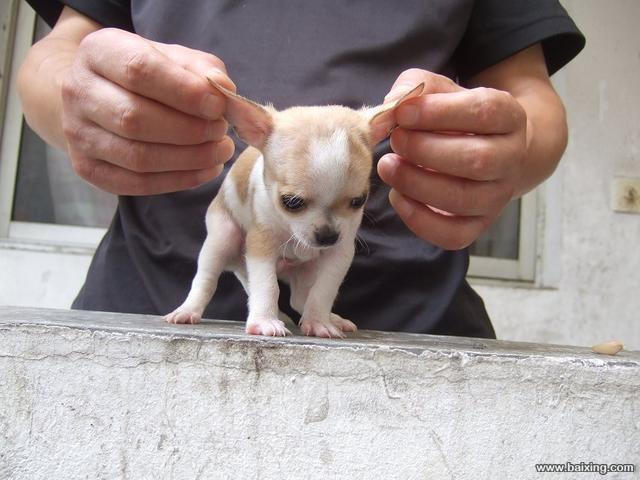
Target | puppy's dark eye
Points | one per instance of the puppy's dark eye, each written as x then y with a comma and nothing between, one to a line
293,203
358,202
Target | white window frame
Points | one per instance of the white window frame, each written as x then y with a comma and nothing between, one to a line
85,239
522,269
30,234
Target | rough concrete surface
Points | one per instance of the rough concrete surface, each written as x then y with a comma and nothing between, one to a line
103,396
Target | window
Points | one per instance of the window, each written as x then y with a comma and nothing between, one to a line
507,251
42,201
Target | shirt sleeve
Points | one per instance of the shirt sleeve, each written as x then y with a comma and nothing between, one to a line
108,13
499,29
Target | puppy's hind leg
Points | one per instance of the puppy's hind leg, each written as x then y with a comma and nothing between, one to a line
222,246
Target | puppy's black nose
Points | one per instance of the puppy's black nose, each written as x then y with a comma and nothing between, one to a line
326,236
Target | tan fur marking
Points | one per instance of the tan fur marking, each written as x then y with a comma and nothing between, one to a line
260,242
218,204
241,171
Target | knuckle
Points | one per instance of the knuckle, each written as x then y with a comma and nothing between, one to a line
91,40
137,68
79,136
479,160
85,168
69,89
70,130
129,120
486,106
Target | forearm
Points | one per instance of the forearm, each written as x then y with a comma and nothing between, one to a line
547,136
41,75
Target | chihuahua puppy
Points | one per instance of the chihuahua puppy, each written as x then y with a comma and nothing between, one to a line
289,209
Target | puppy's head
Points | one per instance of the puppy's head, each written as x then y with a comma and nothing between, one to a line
317,162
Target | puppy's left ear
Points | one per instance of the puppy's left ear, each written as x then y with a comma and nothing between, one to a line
382,119
252,121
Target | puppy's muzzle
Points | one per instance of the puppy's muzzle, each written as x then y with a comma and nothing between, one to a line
326,236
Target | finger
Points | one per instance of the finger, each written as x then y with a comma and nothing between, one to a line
475,157
137,66
92,141
459,196
448,232
479,111
120,181
198,62
138,118
414,76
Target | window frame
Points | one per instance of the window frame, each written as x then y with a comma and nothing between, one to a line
22,22
522,269
85,239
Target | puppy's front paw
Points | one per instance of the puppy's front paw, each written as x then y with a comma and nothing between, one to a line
180,315
333,326
270,327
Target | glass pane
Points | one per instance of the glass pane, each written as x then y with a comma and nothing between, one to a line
49,191
47,188
503,238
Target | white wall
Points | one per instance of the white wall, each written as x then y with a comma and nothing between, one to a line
593,253
40,277
589,256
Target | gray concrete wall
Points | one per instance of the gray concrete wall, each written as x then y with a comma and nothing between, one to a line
99,396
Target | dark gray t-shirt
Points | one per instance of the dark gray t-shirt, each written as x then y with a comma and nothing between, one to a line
314,53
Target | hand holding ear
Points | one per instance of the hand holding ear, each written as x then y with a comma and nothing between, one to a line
458,155
140,118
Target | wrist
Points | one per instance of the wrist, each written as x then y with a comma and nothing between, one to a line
40,81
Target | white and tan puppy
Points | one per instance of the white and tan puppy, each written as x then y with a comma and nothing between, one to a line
289,209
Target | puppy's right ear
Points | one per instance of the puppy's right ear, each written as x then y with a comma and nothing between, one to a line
381,118
252,122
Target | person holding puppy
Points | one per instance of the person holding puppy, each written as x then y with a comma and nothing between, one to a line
122,88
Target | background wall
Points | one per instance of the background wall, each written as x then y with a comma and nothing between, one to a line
588,279
590,255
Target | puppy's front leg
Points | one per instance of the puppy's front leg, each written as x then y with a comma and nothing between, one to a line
317,319
263,286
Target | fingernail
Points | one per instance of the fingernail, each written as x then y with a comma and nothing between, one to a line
399,140
390,164
220,77
397,92
407,115
210,107
404,208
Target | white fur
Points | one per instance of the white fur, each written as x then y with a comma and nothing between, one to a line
328,165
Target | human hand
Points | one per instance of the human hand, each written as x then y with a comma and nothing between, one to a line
458,156
139,116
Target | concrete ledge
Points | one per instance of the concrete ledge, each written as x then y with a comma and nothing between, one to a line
97,395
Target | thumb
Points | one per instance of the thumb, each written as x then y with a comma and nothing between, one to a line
434,83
